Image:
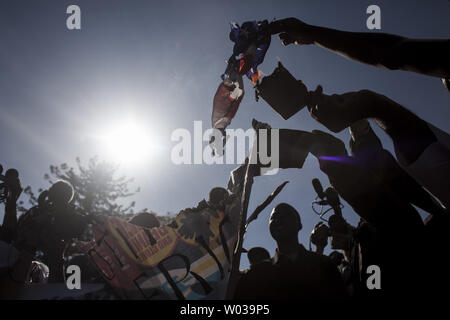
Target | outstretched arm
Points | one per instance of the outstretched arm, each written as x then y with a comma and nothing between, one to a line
366,145
384,50
411,190
367,193
409,133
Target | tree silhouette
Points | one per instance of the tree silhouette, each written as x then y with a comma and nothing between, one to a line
97,190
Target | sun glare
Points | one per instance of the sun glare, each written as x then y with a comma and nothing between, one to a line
128,143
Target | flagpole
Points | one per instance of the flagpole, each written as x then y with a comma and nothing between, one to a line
236,261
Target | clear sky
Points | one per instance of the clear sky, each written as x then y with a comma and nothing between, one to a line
159,63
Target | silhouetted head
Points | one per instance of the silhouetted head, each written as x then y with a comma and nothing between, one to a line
145,219
13,173
257,255
284,222
60,193
217,196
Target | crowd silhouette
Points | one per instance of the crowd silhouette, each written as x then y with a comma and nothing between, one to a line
382,188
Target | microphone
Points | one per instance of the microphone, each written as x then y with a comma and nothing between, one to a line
318,188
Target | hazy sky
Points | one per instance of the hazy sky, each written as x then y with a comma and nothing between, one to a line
160,62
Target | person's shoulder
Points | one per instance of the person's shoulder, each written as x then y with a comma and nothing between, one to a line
262,270
315,255
247,277
265,265
30,213
319,258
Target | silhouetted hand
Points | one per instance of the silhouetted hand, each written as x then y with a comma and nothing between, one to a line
339,111
344,175
326,145
292,30
347,177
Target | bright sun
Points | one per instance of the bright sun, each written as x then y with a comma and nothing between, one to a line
128,143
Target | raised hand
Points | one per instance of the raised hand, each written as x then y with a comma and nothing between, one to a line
339,111
292,30
326,145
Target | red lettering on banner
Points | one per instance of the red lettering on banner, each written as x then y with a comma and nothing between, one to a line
140,247
164,242
131,230
138,239
144,240
144,255
155,233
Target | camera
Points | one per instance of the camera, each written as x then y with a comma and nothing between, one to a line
320,234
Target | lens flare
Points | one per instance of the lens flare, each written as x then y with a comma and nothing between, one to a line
128,143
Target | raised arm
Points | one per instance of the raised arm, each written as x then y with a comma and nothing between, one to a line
410,134
367,193
426,56
369,149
